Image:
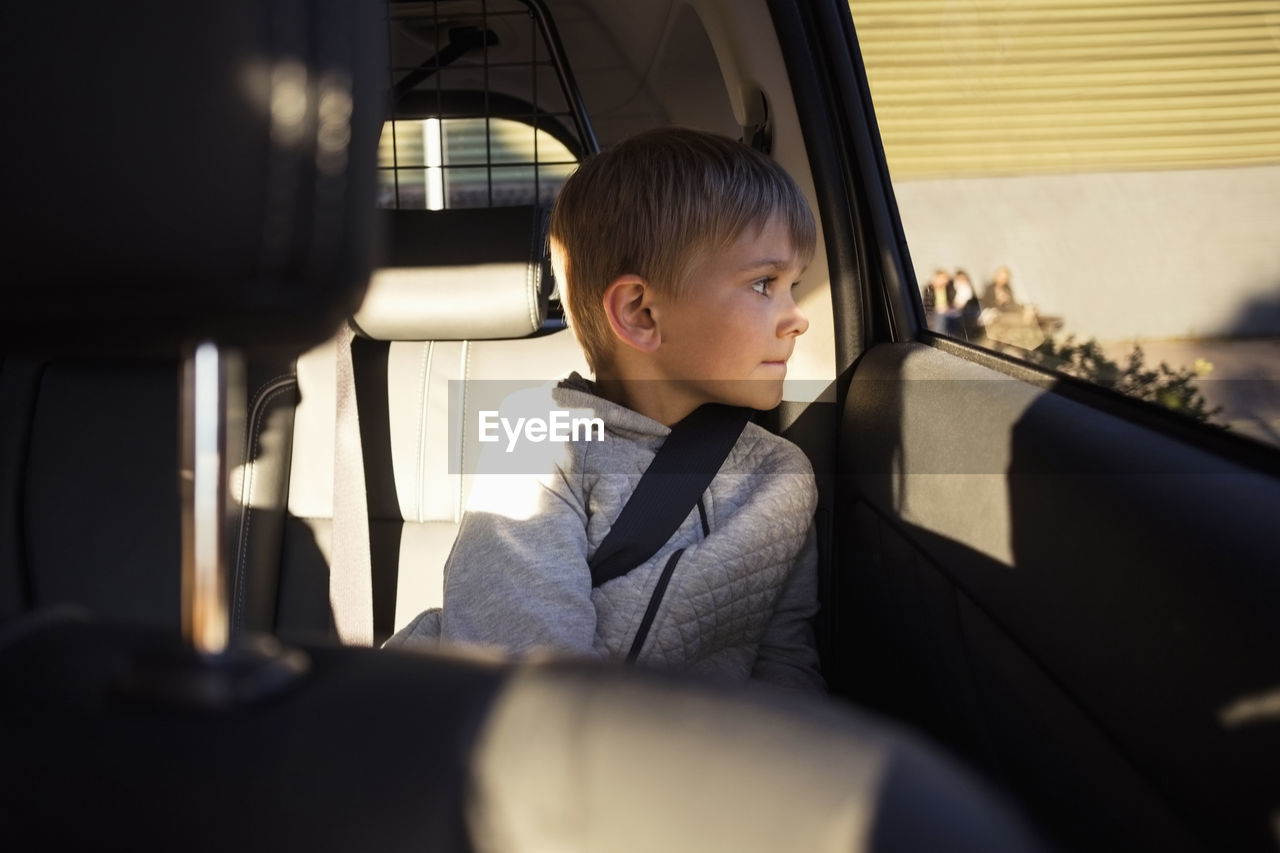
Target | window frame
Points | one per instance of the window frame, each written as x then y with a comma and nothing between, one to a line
833,98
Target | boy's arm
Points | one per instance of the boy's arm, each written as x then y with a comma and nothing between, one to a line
788,655
517,577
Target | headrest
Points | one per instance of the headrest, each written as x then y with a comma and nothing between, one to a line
470,274
210,175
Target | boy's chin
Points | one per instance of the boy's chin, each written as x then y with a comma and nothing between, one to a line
760,394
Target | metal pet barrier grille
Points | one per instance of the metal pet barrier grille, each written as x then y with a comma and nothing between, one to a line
485,110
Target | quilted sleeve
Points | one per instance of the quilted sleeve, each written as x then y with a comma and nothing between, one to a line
788,655
517,577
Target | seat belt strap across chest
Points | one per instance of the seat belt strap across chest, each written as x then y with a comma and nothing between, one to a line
670,487
680,472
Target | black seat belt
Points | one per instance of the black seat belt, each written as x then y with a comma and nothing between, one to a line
671,486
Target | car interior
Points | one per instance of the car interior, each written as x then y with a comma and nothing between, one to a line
270,257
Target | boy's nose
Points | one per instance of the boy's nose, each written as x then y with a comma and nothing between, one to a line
793,321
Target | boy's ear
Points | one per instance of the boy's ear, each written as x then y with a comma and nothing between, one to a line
627,304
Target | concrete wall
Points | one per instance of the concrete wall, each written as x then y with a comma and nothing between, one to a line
1191,253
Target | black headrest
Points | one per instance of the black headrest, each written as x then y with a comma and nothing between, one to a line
173,173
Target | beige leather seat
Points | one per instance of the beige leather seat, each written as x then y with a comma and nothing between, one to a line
462,298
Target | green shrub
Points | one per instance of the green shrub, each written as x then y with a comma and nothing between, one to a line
1173,389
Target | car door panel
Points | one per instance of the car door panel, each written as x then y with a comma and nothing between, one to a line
1070,588
1099,586
953,676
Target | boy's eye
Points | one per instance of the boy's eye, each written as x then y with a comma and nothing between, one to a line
761,286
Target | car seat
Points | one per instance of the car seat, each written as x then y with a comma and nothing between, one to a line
461,302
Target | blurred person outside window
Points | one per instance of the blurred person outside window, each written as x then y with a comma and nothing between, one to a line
1006,321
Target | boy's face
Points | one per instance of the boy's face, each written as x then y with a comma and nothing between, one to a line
727,339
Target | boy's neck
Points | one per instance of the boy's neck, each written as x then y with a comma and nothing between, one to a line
659,400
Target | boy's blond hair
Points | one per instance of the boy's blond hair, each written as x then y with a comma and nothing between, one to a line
654,206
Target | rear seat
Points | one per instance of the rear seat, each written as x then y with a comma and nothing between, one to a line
463,293
463,297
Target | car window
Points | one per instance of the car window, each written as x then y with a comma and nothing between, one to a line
485,112
1094,187
435,163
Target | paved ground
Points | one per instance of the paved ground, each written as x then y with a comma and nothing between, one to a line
1244,379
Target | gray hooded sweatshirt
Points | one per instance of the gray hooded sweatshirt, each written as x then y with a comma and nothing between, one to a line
742,598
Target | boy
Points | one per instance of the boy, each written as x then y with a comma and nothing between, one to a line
677,251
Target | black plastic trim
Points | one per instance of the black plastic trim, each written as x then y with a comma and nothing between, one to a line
866,172
905,315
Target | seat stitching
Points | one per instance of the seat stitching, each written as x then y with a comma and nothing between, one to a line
287,381
531,274
262,389
424,382
462,434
